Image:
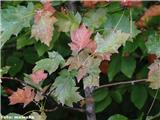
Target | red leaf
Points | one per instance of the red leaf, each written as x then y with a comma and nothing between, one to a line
43,24
154,75
25,96
80,38
104,67
8,91
38,76
151,58
130,3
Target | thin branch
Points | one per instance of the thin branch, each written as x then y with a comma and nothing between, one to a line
154,99
18,80
75,109
13,78
51,110
154,117
121,83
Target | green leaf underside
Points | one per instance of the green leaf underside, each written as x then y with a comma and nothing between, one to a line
65,90
153,44
111,42
50,64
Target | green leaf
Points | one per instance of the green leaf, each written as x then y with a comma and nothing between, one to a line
114,66
143,72
30,55
4,70
117,117
14,19
50,64
139,96
65,90
129,47
100,94
111,42
128,65
124,23
140,41
153,44
41,48
100,106
67,22
94,18
24,40
16,65
3,92
116,95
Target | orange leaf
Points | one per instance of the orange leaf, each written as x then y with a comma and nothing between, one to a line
25,96
151,12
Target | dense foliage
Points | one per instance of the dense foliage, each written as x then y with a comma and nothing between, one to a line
53,52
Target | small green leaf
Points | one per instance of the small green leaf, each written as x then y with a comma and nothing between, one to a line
67,22
139,96
41,48
114,66
24,40
30,55
4,70
117,117
16,65
128,65
129,47
153,44
100,106
100,94
3,92
116,95
95,18
50,64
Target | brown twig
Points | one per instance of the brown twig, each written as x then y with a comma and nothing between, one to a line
121,83
90,106
18,80
13,78
75,109
51,110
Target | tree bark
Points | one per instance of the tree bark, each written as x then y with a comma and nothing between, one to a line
90,107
